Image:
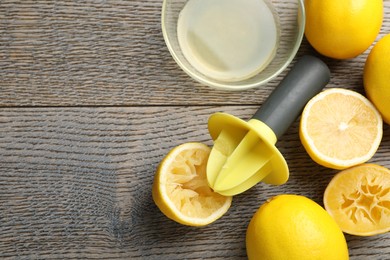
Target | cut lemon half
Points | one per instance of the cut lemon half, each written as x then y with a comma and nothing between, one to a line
340,128
359,200
180,188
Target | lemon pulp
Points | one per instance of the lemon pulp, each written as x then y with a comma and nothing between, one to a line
180,187
358,199
340,128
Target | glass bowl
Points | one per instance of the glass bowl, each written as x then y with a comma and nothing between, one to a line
289,19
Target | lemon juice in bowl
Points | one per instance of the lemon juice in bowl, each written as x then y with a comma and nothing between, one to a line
228,40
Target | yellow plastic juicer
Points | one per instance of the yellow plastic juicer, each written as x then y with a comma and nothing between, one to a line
244,153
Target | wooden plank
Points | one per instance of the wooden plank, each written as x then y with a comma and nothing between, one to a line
112,53
76,183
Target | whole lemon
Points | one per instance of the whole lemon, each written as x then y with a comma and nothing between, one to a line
342,29
376,77
294,227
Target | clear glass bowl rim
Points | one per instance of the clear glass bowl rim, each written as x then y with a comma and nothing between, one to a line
236,86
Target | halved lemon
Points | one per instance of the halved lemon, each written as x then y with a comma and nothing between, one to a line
359,199
340,128
180,188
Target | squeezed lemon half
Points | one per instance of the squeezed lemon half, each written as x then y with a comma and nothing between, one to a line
359,199
180,188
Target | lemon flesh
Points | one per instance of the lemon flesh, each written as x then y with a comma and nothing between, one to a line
358,199
340,128
180,188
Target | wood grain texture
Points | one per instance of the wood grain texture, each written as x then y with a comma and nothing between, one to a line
90,102
76,183
105,53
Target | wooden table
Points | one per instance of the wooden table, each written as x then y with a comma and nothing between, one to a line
91,101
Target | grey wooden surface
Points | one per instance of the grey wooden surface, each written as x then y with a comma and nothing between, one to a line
90,102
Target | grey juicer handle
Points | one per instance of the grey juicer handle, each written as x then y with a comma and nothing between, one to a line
306,79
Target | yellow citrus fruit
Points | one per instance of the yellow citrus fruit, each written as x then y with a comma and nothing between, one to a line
342,29
358,199
340,128
294,227
376,77
180,188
